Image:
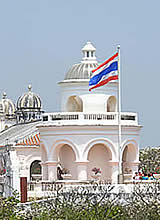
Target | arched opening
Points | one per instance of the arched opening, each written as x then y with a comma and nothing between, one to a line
66,159
98,156
35,170
74,104
112,104
129,156
2,166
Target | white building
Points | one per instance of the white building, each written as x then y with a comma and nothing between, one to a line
81,136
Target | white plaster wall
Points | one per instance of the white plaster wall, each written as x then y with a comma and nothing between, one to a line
26,155
2,124
6,123
95,101
15,167
82,138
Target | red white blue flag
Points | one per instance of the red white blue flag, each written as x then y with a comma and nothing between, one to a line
104,73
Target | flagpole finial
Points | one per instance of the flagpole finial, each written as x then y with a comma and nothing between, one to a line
118,47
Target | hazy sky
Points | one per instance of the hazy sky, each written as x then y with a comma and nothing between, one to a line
41,39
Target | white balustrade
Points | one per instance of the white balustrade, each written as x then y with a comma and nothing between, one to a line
109,118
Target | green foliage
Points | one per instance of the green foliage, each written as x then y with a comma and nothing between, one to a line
82,203
8,207
150,160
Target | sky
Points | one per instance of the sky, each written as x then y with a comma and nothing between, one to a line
41,39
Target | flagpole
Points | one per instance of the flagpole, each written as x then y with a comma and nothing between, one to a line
120,180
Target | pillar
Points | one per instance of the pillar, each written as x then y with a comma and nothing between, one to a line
44,171
114,170
132,166
82,170
52,170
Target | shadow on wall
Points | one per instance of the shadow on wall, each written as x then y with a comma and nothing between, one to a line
74,104
112,104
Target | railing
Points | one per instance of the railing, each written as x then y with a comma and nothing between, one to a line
54,189
109,118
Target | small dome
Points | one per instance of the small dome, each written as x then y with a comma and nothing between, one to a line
7,107
29,100
80,71
88,63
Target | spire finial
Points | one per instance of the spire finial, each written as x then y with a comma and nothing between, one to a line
29,87
89,53
4,95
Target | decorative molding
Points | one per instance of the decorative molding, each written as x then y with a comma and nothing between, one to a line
51,163
132,163
81,162
112,163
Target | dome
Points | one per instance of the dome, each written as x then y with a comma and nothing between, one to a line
80,71
7,107
83,70
29,100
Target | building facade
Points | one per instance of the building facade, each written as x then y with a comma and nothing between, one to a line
82,136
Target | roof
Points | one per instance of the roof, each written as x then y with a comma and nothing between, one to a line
29,100
26,134
80,71
7,107
83,70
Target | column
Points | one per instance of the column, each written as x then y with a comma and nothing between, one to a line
132,166
114,171
44,171
52,170
82,170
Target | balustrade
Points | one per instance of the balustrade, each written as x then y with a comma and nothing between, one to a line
104,118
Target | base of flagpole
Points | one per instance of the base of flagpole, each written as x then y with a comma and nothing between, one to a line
120,178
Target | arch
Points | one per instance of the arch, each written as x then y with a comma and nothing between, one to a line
98,156
105,142
74,104
35,170
6,126
28,161
133,148
44,147
112,104
2,165
129,156
56,148
66,159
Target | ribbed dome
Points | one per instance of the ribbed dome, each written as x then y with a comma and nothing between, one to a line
29,100
88,63
80,71
7,107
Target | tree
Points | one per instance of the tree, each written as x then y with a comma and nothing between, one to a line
150,160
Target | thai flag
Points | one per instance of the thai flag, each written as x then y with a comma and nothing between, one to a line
104,73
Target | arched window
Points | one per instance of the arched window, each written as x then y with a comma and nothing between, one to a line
35,170
112,104
128,157
74,104
6,126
